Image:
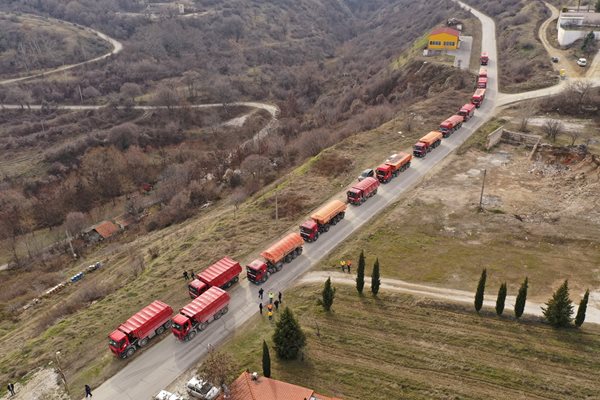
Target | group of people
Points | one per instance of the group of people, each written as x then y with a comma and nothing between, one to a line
187,276
273,302
11,390
346,265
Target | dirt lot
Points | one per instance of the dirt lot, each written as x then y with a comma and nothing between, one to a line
541,220
399,346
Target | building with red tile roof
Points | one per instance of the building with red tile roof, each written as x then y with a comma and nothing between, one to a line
254,387
106,229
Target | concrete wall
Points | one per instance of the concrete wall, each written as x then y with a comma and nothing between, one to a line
503,135
493,138
566,37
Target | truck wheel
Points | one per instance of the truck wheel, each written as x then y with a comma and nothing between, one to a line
235,280
374,192
407,165
130,352
316,237
203,326
265,277
218,315
143,342
326,228
224,310
160,330
168,324
342,215
299,250
288,258
191,335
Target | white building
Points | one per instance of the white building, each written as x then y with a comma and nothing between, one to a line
573,25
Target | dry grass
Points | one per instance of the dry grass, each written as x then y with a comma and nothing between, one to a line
398,346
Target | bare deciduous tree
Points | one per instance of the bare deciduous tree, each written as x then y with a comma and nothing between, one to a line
218,368
75,222
552,128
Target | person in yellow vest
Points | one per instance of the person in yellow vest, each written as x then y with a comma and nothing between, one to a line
270,314
343,265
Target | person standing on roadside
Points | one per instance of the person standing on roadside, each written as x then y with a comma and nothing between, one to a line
276,305
260,307
192,277
271,296
270,314
260,293
88,391
280,296
11,389
343,265
348,265
185,276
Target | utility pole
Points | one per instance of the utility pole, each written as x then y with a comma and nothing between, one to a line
482,187
276,208
80,94
62,374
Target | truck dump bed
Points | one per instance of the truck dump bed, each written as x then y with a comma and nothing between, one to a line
365,184
205,305
324,214
147,319
220,272
398,160
431,137
282,248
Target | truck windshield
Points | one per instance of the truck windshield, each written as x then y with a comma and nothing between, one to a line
250,271
193,289
116,344
305,230
351,195
177,327
380,172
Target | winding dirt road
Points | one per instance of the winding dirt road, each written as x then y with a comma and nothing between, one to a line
117,47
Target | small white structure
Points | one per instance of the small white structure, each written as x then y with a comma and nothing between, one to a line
573,25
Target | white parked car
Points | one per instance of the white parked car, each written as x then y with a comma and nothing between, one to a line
164,395
582,62
202,389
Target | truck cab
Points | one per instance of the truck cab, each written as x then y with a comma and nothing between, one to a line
484,59
467,111
420,149
196,288
482,82
354,196
309,230
257,271
384,173
181,326
118,342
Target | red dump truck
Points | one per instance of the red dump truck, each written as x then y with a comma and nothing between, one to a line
362,190
451,125
467,111
284,251
223,274
484,59
482,72
393,166
478,97
427,143
152,320
482,82
320,221
196,316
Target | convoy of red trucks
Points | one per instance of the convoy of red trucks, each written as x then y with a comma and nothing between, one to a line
223,274
393,166
484,59
195,317
361,191
478,97
427,143
283,251
467,111
211,302
320,221
451,125
152,320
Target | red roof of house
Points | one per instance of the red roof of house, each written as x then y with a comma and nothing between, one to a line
106,229
244,388
445,29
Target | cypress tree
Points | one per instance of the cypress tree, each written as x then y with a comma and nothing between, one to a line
480,290
288,338
559,310
521,299
328,295
501,299
582,309
360,273
266,361
375,281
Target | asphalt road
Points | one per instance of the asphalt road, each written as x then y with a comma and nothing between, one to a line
157,367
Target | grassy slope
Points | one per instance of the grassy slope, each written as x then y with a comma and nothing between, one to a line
398,346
